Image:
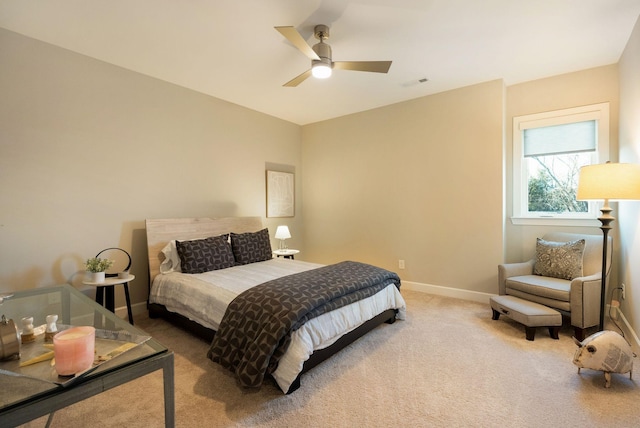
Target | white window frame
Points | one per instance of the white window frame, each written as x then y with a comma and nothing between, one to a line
521,216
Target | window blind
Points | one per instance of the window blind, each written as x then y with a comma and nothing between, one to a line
560,139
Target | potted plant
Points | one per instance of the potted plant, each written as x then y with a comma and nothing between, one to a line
96,267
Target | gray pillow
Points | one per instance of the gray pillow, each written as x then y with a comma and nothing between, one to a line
559,259
204,255
251,247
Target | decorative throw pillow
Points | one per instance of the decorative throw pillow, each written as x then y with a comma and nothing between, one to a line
251,247
204,255
559,259
171,262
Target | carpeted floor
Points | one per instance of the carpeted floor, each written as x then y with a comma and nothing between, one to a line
448,364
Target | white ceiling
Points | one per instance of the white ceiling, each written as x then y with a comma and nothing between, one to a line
230,50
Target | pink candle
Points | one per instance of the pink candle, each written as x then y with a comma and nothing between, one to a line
74,350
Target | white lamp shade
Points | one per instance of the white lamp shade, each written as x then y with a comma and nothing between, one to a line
609,181
282,232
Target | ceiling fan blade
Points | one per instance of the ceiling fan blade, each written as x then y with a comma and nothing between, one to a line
291,34
298,79
372,66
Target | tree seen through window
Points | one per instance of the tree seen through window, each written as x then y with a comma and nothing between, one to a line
553,183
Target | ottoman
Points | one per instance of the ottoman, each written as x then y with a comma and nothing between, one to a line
530,314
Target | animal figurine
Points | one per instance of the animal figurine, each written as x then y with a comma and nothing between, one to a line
28,334
51,329
607,351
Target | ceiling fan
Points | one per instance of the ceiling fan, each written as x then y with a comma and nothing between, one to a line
320,55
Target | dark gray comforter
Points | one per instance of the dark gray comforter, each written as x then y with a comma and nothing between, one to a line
256,328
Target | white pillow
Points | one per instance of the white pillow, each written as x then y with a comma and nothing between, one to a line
171,261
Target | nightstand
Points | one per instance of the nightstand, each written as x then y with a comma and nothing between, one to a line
287,253
106,287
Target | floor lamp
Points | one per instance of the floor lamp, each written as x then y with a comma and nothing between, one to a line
608,181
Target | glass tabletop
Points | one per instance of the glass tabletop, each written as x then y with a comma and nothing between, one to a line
73,309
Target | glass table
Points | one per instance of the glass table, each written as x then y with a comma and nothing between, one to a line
24,398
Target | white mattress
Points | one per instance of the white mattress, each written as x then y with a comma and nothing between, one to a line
204,297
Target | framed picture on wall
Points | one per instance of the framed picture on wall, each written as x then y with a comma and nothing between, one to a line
280,194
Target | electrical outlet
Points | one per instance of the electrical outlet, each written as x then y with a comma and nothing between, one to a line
624,291
401,264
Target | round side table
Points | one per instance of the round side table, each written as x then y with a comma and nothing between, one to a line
105,292
288,253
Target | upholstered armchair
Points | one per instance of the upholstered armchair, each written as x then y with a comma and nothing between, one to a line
564,275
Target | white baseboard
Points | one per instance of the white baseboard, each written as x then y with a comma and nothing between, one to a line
480,297
136,309
456,293
629,333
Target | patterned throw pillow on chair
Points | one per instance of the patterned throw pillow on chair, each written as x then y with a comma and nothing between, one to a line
559,259
204,255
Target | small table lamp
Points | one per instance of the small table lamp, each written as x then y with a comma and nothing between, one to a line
282,233
615,181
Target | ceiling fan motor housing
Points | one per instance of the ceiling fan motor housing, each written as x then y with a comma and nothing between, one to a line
323,50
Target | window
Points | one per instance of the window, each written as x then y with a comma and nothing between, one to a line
548,150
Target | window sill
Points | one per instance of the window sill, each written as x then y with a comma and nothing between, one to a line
555,221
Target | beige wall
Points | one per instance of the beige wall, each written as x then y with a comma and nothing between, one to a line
419,181
89,150
629,212
585,87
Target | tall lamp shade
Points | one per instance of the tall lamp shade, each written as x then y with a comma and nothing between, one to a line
608,181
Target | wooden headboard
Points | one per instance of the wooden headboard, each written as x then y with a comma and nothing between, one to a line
162,231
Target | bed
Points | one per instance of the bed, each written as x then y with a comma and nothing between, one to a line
202,301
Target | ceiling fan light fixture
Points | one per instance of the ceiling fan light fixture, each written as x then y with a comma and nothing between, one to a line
320,69
320,56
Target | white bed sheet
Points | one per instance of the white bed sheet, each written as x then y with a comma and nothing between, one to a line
203,298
